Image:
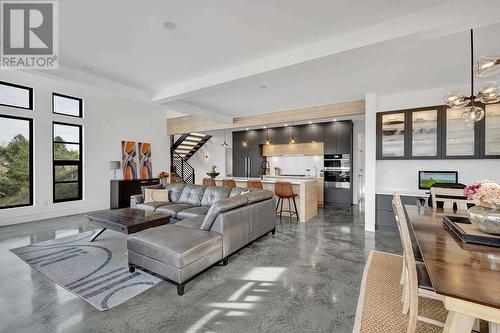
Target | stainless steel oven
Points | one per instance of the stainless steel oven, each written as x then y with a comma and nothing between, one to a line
337,171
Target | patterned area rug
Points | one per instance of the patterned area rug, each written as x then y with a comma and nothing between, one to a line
97,271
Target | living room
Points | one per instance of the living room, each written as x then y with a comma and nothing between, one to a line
249,167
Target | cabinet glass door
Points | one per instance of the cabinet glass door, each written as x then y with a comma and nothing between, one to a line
492,130
424,133
459,134
393,135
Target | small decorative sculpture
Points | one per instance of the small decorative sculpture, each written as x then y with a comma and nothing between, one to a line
213,173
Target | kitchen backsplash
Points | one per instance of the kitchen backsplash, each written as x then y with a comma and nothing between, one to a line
297,165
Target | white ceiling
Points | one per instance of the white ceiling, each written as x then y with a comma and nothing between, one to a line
307,53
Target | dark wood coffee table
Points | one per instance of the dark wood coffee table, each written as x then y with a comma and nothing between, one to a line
126,220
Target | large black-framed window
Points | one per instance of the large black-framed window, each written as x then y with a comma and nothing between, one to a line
16,162
67,155
67,105
16,96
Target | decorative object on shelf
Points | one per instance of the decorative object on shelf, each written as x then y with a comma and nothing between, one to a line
145,164
487,94
486,214
225,144
129,163
213,173
164,177
114,165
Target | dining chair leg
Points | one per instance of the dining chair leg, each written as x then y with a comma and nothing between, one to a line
406,292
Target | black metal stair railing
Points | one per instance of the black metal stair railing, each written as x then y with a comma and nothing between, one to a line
182,168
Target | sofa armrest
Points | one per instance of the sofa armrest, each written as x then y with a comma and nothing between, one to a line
135,199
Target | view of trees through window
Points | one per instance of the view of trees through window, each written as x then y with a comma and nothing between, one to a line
67,162
15,162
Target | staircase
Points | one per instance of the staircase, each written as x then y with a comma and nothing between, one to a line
182,147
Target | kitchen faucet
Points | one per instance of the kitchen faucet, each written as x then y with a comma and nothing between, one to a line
263,167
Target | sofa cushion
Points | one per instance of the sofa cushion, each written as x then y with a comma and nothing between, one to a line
213,194
151,205
257,196
195,211
154,187
173,209
174,191
220,207
192,222
175,245
192,194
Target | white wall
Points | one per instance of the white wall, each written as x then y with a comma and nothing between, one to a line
358,160
108,119
212,153
370,160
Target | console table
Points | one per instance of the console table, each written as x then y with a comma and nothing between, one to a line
121,190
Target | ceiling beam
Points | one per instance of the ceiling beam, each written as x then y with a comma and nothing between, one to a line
198,111
457,15
187,124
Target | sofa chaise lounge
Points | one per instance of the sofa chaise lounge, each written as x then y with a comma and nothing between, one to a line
208,224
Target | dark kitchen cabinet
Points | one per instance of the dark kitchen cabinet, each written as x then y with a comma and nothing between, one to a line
338,137
246,159
311,133
254,153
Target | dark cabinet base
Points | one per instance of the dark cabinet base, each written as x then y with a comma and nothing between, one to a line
121,190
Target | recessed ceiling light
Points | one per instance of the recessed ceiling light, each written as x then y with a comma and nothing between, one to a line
169,25
246,129
309,122
264,126
334,119
263,86
286,125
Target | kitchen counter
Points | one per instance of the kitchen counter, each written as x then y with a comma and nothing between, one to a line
306,189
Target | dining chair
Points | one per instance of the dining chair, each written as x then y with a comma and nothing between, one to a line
449,197
416,281
254,184
229,183
209,181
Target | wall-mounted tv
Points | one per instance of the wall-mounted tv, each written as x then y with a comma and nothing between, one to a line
428,178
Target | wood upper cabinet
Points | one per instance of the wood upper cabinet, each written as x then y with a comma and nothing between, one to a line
306,149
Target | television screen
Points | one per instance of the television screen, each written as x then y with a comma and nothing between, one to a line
428,178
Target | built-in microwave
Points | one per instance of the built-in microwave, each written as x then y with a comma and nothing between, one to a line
337,162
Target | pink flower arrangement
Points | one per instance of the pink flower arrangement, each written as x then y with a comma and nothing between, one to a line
485,193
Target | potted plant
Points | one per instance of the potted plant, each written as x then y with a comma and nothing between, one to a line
485,215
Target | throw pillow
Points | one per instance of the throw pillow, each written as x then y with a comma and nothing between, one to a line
153,195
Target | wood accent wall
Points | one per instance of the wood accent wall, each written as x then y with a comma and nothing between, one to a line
187,124
306,149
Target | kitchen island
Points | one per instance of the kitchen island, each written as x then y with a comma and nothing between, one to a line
305,188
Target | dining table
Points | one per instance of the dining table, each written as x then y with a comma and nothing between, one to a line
466,275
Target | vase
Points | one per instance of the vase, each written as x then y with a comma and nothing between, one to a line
485,219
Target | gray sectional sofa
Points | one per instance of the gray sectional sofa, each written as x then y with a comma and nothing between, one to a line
208,224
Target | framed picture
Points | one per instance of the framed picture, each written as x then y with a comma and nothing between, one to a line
145,163
129,162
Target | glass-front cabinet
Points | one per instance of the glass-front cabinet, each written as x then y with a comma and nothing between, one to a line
437,132
392,135
492,131
460,136
424,133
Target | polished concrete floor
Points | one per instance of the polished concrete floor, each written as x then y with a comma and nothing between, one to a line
306,278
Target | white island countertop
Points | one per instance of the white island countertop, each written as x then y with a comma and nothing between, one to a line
273,180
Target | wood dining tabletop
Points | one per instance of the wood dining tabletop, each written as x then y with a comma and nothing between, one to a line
466,272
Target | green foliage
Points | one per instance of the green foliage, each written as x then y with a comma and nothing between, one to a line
14,171
61,151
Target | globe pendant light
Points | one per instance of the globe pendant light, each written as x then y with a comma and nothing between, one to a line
487,94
